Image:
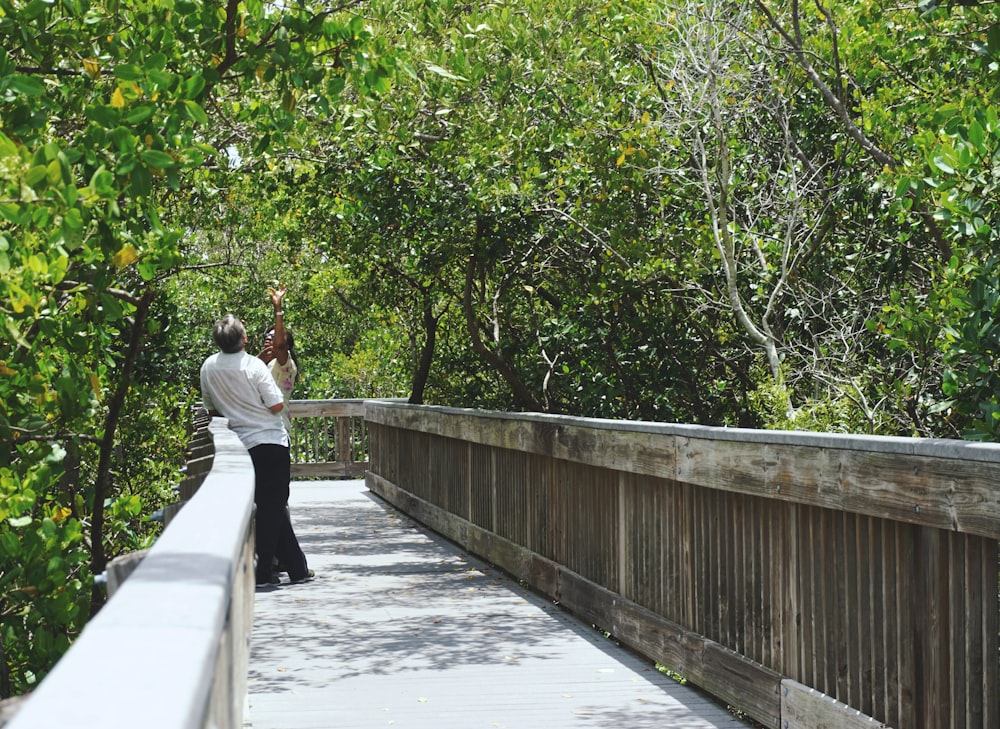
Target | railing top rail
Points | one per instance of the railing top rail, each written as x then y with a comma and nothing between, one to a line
329,408
929,447
154,644
938,483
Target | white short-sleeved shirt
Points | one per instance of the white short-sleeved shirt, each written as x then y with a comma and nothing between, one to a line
240,387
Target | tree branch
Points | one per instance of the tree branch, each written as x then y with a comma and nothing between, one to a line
22,435
41,71
831,99
103,478
522,395
796,50
594,236
67,285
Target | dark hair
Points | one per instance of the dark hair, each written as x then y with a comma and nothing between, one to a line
290,341
229,334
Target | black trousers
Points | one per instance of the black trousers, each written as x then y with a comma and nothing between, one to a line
272,466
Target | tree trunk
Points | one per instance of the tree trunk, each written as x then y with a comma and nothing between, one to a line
423,368
103,482
523,398
4,671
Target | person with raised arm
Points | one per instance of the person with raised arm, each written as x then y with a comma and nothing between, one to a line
279,352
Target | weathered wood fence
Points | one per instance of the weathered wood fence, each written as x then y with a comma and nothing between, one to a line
329,438
809,580
169,650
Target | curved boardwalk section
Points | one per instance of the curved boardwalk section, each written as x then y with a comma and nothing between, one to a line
402,629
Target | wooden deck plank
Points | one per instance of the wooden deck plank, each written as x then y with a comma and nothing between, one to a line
403,629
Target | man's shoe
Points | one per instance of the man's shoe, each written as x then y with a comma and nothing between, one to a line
269,581
279,567
309,575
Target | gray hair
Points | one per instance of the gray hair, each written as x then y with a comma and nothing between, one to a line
229,333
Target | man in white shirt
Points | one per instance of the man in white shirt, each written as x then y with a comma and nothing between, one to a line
239,387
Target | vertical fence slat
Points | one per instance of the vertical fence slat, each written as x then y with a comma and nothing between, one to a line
788,592
876,619
988,636
840,606
932,622
955,585
808,607
905,591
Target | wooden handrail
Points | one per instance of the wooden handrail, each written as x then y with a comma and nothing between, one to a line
169,650
179,615
808,579
329,438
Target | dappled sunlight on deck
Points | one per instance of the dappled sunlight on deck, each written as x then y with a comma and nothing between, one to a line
403,629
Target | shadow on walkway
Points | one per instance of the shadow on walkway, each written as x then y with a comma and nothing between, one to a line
401,628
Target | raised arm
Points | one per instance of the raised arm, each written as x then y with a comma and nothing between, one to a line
277,348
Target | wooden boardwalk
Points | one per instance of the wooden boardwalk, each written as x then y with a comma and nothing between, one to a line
403,629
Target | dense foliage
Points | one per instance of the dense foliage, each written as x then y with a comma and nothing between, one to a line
743,213
112,114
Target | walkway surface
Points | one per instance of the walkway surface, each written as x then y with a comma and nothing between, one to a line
403,629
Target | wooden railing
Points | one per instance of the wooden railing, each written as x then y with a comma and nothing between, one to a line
329,438
808,580
170,648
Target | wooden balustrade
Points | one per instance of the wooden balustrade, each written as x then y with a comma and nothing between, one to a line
329,438
809,580
170,648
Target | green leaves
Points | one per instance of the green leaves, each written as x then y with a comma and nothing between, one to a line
98,148
26,85
139,114
103,182
195,112
129,72
157,159
43,587
444,72
103,115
